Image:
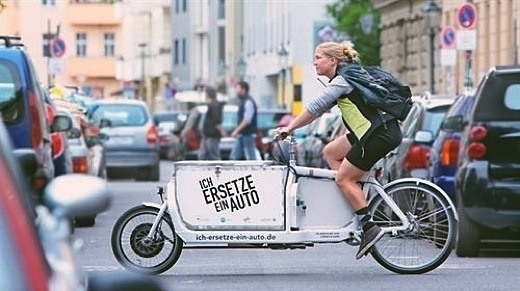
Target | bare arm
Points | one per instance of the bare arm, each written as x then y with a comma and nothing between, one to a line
325,101
302,119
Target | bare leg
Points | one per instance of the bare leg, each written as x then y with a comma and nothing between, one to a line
347,177
334,152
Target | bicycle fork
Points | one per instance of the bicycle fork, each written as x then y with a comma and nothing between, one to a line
157,221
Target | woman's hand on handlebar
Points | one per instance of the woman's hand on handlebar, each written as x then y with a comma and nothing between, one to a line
281,133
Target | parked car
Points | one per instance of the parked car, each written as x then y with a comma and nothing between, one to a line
169,125
191,133
62,159
132,147
487,184
37,252
91,134
22,107
410,158
444,153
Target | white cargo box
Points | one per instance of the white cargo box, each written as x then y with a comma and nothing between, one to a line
230,195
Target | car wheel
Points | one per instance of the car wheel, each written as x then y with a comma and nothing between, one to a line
468,241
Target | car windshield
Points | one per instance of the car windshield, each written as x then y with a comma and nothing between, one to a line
11,97
433,118
121,114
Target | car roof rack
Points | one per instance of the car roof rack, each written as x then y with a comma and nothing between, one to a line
8,40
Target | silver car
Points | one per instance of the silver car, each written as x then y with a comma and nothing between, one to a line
132,147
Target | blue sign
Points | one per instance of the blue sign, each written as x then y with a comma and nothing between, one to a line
58,47
448,37
467,15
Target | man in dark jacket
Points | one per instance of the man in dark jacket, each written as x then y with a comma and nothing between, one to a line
212,129
247,125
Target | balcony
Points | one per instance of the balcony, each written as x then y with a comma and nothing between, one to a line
98,67
94,12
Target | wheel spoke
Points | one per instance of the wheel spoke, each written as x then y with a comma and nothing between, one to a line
427,242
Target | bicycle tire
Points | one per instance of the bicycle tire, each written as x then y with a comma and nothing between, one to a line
133,252
430,240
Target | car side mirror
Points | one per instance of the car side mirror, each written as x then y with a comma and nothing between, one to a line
92,198
453,123
423,136
74,133
105,123
61,123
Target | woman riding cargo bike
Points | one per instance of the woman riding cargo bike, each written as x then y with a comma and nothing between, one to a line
408,225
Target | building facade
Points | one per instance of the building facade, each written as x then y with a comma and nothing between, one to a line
109,48
405,51
207,49
279,42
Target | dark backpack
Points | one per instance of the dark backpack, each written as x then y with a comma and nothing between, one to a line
398,100
379,88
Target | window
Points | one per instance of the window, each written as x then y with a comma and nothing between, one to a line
512,98
184,6
177,6
49,2
81,44
176,52
11,95
109,44
221,9
184,51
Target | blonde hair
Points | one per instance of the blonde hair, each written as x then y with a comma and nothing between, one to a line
344,51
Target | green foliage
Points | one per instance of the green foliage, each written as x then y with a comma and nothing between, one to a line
349,16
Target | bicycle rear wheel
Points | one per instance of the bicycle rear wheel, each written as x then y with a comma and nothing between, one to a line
431,237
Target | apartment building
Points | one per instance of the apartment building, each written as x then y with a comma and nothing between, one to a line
207,44
107,48
405,41
279,42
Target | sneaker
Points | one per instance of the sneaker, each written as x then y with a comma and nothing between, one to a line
370,237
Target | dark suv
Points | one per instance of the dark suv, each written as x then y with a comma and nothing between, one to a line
444,153
487,183
22,108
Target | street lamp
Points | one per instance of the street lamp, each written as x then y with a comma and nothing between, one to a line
283,56
241,68
432,13
143,55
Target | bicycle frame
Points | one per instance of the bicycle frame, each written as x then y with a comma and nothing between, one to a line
257,204
294,230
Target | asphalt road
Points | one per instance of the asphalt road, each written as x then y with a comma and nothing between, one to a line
323,267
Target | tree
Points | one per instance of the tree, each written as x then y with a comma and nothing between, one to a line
360,22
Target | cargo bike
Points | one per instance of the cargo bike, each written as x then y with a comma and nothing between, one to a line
263,204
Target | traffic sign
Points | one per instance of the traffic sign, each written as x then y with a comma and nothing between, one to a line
467,39
448,37
56,66
467,15
58,47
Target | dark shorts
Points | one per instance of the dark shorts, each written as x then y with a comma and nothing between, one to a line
380,143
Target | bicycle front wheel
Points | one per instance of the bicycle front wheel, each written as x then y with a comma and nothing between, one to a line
135,251
429,240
